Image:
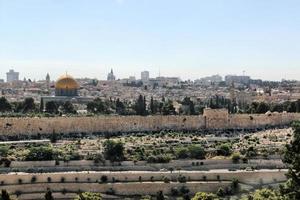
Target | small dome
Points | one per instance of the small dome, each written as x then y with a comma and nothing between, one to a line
66,82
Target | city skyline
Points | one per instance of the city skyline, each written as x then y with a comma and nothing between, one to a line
189,39
137,76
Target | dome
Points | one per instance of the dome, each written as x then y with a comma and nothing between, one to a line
66,82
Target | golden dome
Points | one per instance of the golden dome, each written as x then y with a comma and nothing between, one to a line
66,82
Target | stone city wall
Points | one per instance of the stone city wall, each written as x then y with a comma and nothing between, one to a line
100,124
220,119
211,119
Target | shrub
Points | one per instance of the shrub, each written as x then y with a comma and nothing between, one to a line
182,153
18,192
62,180
221,192
181,179
174,191
113,151
40,153
204,196
166,180
224,150
6,162
88,196
235,184
236,157
64,191
184,190
33,179
104,178
196,152
245,160
110,191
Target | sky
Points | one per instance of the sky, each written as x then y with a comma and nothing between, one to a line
182,38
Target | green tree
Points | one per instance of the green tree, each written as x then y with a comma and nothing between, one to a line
88,196
190,105
154,106
224,150
292,158
140,106
168,108
262,107
182,153
120,107
113,151
52,107
196,152
4,105
28,105
298,106
205,196
68,108
40,153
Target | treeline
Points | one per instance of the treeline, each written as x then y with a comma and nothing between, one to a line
29,106
217,102
142,107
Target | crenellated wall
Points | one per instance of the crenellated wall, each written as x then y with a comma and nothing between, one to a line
211,119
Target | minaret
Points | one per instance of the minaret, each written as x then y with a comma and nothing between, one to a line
48,81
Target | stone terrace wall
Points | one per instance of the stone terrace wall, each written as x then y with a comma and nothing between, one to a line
245,177
135,183
212,119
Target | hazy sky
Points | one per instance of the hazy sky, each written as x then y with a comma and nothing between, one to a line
185,38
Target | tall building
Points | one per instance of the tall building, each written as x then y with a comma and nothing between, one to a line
12,76
111,76
237,79
145,76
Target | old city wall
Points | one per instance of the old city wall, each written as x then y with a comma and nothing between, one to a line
221,119
211,119
100,124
